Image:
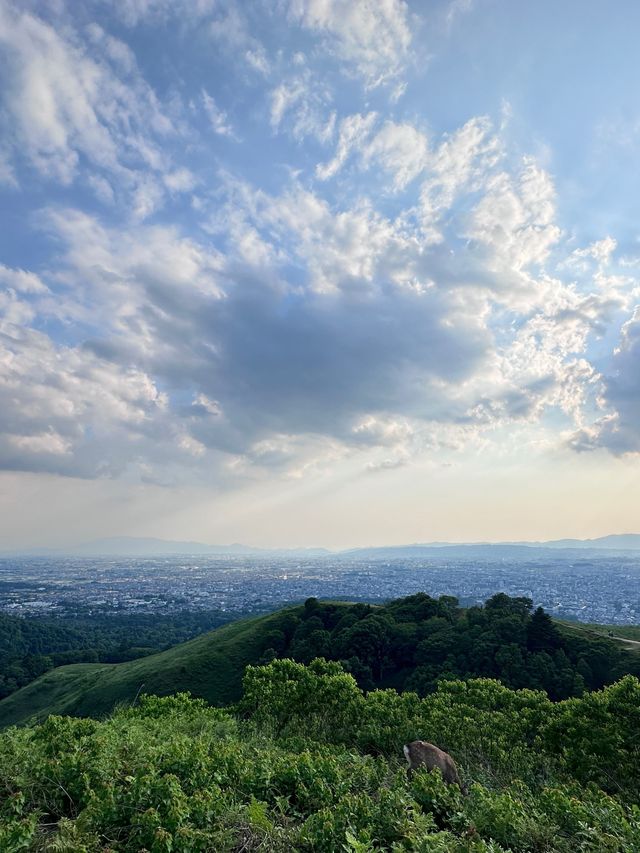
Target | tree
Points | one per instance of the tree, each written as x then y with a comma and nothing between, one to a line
319,701
542,634
368,640
311,607
501,601
511,666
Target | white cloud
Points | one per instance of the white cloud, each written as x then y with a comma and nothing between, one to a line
462,162
515,219
301,105
191,445
76,106
147,197
67,411
352,136
601,251
181,180
21,280
342,250
15,310
102,188
382,347
217,118
154,309
371,39
283,97
383,431
400,149
21,292
292,329
46,443
230,29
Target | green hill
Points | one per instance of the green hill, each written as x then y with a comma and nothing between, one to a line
31,646
210,666
409,644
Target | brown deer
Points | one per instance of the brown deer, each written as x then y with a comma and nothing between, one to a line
419,753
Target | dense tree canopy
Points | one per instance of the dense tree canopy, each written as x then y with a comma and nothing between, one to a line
412,643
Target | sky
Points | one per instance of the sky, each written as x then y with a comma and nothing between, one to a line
319,272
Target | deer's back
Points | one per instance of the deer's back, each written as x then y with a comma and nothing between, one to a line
420,753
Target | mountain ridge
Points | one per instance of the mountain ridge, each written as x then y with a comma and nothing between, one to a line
131,546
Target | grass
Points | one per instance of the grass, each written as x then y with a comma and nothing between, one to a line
626,635
629,632
209,666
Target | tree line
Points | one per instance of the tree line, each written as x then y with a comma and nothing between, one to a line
412,643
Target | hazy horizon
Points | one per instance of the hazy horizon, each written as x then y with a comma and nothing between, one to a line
117,545
319,272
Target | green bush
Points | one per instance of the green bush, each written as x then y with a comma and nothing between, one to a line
307,762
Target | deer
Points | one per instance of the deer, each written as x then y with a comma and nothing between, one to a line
419,753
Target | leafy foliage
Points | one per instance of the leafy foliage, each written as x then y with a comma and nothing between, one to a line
309,762
412,643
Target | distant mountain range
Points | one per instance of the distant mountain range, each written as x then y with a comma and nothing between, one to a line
129,546
615,542
605,545
133,546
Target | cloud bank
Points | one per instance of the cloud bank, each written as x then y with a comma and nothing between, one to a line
280,278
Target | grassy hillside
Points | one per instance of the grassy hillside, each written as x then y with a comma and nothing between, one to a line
210,666
626,635
408,644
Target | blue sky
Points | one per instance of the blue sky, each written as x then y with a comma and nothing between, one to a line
318,272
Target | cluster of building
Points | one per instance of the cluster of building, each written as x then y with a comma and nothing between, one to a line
604,590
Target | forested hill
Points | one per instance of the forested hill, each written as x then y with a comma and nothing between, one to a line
409,644
413,642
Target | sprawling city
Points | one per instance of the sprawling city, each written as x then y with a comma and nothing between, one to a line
603,589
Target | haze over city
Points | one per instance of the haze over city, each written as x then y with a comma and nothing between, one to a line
318,272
